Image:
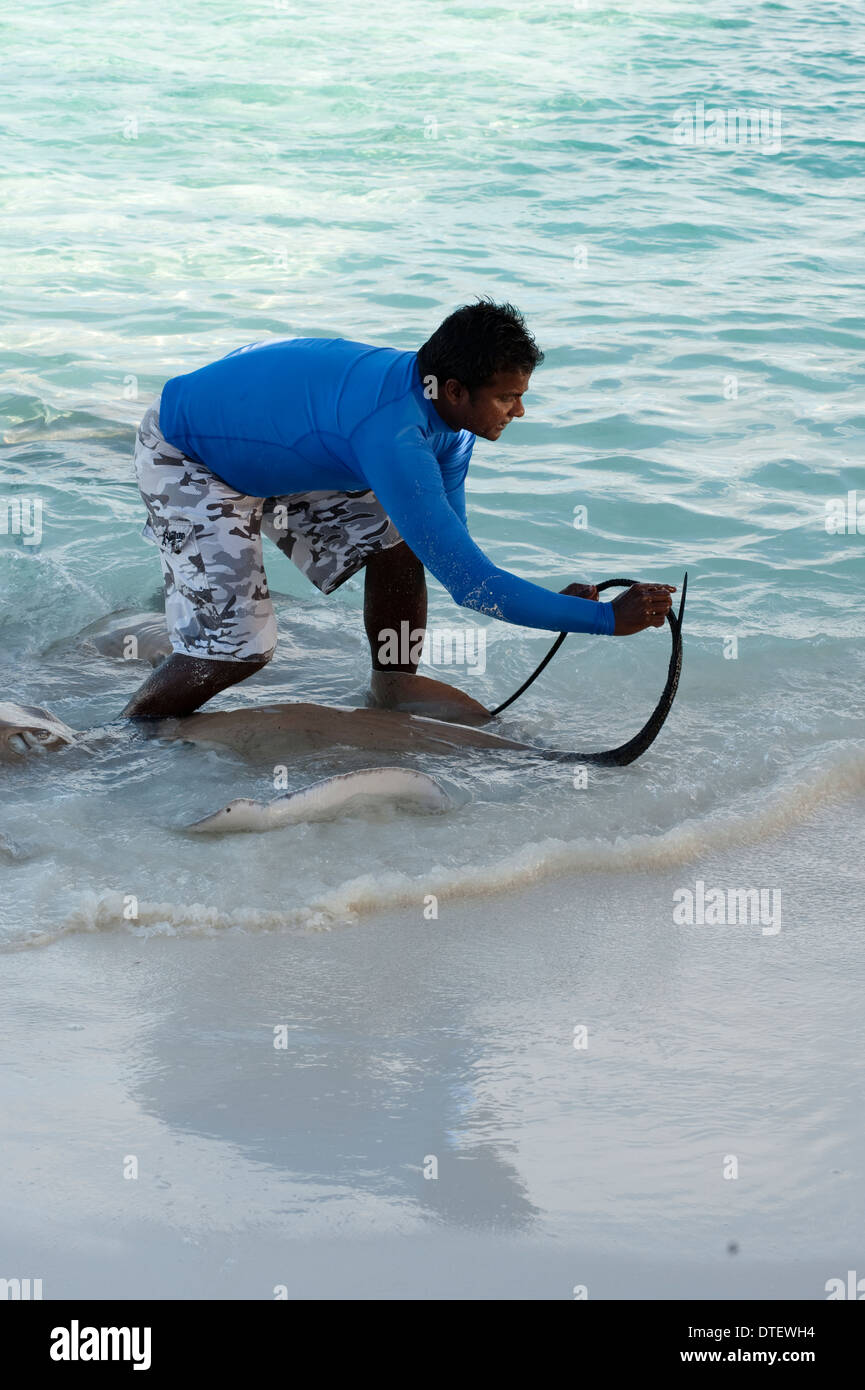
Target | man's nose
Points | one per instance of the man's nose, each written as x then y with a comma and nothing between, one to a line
518,411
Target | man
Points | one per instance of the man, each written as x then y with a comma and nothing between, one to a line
348,456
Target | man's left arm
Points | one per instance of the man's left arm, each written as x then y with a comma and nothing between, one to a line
454,467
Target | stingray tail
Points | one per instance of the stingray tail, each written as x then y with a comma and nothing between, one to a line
635,747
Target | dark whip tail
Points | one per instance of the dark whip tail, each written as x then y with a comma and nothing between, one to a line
636,746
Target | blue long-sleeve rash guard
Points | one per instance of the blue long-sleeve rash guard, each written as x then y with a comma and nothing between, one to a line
322,414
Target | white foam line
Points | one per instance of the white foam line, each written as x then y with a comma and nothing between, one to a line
546,859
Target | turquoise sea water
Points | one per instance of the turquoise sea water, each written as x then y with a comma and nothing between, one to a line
194,180
180,180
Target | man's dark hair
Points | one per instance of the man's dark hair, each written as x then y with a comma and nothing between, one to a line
476,341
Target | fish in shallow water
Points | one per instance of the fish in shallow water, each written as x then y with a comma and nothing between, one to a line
29,729
328,798
271,731
125,634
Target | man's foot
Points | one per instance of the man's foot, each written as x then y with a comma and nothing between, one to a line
399,690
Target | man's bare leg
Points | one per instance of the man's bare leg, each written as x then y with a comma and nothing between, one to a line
182,683
394,593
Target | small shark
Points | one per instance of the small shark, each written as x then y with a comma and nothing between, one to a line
326,799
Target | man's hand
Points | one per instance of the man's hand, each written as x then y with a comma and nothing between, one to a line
580,591
642,606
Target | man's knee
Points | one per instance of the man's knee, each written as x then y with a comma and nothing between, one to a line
255,663
404,557
396,557
227,670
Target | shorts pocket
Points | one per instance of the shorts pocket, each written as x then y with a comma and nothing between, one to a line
182,558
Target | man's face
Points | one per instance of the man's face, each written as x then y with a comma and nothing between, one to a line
489,409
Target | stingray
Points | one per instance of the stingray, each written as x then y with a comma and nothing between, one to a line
286,729
280,730
271,731
29,729
267,732
126,635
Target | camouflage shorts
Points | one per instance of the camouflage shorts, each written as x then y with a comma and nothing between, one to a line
217,603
